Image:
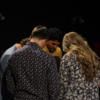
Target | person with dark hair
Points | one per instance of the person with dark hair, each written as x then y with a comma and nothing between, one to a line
5,57
31,73
52,46
79,69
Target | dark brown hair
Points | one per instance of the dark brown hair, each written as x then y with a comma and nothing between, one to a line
24,41
40,32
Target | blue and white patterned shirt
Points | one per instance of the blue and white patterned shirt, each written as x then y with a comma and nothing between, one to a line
32,74
73,84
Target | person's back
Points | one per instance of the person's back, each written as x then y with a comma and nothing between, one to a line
79,70
33,78
32,73
76,87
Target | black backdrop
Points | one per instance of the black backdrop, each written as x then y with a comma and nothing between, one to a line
22,16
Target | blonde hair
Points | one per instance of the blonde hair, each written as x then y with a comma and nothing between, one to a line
90,62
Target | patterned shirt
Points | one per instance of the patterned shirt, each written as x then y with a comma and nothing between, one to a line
73,84
32,74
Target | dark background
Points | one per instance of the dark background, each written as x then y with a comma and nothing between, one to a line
22,16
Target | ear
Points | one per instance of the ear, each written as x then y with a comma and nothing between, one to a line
44,40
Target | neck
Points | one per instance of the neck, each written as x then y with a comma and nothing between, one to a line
46,44
35,40
38,41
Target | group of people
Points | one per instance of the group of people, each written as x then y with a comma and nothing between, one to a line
35,68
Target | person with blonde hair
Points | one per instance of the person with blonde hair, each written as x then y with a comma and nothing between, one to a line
79,69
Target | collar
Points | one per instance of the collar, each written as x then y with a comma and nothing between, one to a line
32,44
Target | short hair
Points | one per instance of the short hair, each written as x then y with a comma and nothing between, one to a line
40,32
55,34
24,41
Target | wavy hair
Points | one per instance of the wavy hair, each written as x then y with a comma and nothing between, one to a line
73,42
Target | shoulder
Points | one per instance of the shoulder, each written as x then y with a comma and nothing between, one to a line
70,56
70,60
65,56
48,58
10,50
7,53
5,58
58,49
45,48
46,54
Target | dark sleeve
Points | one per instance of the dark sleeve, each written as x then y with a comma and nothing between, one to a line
9,80
53,80
6,95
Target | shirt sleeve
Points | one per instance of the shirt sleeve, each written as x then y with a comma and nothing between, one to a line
3,63
64,75
53,80
10,80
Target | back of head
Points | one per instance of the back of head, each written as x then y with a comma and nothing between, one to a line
24,41
72,41
40,32
55,34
